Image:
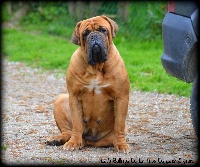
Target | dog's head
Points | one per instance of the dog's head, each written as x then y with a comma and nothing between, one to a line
95,36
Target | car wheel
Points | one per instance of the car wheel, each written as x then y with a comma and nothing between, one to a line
194,107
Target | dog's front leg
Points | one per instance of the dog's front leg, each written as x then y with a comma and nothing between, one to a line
75,141
121,108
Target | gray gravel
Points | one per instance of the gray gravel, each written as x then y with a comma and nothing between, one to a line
159,125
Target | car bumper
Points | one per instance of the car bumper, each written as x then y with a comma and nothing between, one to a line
180,47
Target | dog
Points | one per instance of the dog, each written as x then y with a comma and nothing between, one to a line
94,111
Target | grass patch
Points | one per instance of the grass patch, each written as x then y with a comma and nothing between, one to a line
3,147
143,62
37,50
50,52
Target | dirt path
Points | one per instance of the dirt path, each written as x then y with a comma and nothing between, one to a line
159,125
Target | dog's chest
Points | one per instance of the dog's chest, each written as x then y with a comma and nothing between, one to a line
96,97
95,85
97,104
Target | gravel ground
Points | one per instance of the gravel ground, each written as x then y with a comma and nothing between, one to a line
159,125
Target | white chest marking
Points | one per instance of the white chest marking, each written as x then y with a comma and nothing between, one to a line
95,85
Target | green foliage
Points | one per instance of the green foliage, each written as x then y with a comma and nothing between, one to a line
3,147
109,7
49,18
143,22
5,15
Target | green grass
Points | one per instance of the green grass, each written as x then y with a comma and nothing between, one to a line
37,50
143,62
3,147
142,59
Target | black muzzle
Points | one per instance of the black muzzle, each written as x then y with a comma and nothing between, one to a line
97,48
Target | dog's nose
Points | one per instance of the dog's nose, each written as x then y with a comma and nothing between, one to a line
96,48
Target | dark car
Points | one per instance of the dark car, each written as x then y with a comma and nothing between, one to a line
180,40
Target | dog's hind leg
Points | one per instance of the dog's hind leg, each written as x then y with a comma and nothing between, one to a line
62,116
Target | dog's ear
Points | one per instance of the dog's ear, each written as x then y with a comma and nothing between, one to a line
114,26
76,36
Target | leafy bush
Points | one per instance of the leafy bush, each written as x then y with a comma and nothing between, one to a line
143,23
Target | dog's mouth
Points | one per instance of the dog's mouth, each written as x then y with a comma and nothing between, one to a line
90,138
97,49
88,135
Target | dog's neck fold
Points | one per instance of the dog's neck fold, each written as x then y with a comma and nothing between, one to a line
93,70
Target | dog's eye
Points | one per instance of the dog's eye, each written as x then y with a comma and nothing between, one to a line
85,34
103,30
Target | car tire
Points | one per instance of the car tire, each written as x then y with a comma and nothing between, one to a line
194,107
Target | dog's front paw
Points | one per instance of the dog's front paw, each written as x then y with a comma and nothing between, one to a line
122,147
53,142
58,140
72,145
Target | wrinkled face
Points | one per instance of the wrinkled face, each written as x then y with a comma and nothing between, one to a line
95,36
96,45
